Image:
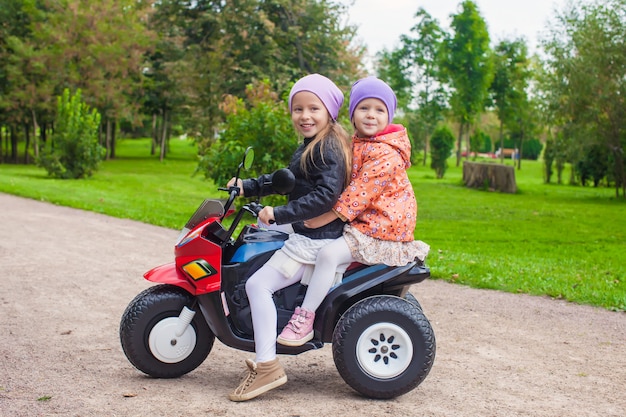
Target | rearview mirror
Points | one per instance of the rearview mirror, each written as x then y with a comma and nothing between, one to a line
248,158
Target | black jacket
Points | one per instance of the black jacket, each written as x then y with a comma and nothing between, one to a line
312,195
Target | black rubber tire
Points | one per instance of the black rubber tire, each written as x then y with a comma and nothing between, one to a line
411,298
365,353
151,306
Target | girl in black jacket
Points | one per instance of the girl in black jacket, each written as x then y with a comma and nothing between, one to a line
321,165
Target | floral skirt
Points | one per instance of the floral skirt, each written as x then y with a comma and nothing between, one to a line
368,250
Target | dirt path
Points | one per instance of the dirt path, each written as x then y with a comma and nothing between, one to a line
67,275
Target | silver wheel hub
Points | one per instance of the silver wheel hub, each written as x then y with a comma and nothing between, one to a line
166,346
384,350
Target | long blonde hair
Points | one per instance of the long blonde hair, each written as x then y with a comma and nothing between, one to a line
333,134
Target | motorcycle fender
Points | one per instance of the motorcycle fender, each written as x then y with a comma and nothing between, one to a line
169,274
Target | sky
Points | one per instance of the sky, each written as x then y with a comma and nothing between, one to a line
381,22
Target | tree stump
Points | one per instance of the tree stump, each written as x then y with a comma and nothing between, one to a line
488,176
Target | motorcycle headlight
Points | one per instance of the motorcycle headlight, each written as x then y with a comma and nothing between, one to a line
199,269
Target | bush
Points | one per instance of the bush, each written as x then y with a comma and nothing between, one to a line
441,144
532,149
266,126
487,146
594,165
73,151
476,141
480,142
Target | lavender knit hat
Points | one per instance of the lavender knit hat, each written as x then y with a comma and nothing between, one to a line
322,87
372,87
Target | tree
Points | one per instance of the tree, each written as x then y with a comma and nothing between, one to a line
164,100
508,89
102,45
312,36
229,45
74,151
414,73
27,93
97,47
205,50
468,66
441,145
584,79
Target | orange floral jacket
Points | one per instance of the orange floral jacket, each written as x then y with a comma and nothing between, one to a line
379,201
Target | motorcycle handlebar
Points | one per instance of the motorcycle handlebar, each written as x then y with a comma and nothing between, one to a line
230,189
255,208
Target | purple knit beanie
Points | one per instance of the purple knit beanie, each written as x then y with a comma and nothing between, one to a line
322,87
372,87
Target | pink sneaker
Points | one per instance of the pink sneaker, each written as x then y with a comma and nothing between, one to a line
299,330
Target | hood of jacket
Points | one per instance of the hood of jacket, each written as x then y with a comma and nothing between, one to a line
395,136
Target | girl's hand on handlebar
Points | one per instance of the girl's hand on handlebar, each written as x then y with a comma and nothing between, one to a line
231,183
267,215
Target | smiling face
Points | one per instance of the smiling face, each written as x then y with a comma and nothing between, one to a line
370,117
308,114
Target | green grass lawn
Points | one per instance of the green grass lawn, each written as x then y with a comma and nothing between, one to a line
135,185
555,240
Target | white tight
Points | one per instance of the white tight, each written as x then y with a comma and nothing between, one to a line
331,257
266,281
260,287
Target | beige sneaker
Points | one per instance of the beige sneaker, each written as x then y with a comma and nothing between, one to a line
260,378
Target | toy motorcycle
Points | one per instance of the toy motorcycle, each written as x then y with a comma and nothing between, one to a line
382,343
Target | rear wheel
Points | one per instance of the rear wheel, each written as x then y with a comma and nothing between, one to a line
383,346
411,298
148,333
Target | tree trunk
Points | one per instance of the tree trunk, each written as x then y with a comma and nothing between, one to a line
155,135
2,144
468,148
43,133
459,141
27,136
163,136
35,128
501,142
13,136
520,151
488,176
113,138
108,139
619,173
426,143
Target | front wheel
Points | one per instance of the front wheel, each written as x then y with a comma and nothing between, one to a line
148,333
383,346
